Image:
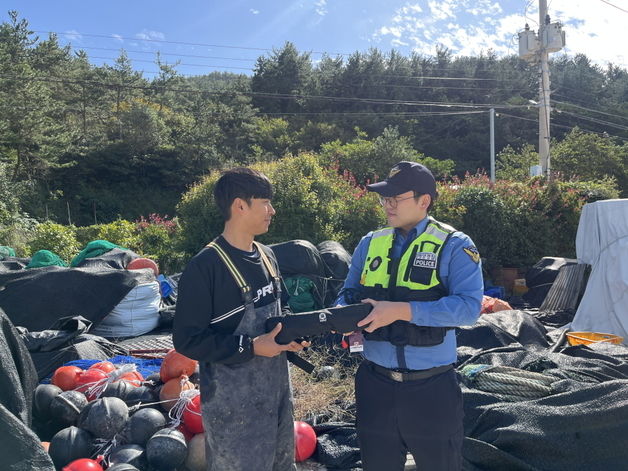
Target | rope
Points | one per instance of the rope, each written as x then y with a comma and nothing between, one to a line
182,404
510,384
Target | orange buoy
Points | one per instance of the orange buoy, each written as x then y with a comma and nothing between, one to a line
175,365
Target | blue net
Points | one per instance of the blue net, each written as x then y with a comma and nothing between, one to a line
145,366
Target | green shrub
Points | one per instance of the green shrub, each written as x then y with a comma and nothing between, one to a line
56,238
516,223
120,232
313,202
17,234
371,160
159,243
86,234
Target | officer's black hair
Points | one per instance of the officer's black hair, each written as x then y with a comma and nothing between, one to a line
417,195
240,182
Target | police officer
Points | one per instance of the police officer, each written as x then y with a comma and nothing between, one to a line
423,279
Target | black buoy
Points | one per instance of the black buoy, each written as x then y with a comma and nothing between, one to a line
66,406
128,454
196,376
42,398
166,449
104,417
144,424
119,389
141,394
153,380
70,444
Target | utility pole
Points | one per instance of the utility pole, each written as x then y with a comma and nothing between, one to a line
536,48
544,93
492,121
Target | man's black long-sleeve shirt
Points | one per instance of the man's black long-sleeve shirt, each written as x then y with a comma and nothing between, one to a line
210,305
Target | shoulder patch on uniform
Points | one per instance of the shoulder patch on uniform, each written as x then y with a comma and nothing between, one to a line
472,252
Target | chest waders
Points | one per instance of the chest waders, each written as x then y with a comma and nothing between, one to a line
247,407
412,277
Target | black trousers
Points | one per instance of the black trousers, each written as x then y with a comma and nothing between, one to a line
423,417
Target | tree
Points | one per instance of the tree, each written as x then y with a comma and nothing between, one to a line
515,165
285,72
31,129
591,157
371,161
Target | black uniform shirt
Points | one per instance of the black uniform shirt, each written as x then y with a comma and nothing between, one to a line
210,306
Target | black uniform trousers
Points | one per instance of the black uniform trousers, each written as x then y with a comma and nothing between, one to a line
422,416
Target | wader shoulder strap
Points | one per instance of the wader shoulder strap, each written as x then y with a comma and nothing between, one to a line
270,268
245,289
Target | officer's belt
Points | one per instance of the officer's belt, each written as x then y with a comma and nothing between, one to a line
407,375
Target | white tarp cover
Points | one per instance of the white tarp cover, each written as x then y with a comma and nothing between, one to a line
135,315
602,242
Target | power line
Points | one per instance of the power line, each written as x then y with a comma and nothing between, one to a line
189,65
615,6
182,43
273,95
589,109
391,85
368,113
266,49
597,121
501,113
160,52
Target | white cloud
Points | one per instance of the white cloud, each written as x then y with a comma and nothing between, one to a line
320,6
148,34
468,27
73,35
117,37
254,11
397,42
442,9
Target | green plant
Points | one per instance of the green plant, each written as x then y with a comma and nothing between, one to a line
56,238
17,234
120,232
312,202
86,234
371,160
517,222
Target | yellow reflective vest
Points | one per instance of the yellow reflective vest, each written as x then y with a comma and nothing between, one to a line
412,277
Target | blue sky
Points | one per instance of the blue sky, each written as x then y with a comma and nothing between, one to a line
248,28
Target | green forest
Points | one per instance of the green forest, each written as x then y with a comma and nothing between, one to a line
83,144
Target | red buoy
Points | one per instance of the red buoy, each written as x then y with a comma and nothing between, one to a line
139,263
83,464
105,366
89,378
304,441
175,365
66,377
192,416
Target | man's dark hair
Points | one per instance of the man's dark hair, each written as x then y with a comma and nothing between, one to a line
417,195
240,182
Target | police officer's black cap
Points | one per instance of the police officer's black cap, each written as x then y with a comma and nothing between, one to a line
406,176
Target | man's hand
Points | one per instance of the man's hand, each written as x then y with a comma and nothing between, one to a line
265,345
384,313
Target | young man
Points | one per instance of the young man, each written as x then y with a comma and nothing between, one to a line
226,293
423,278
